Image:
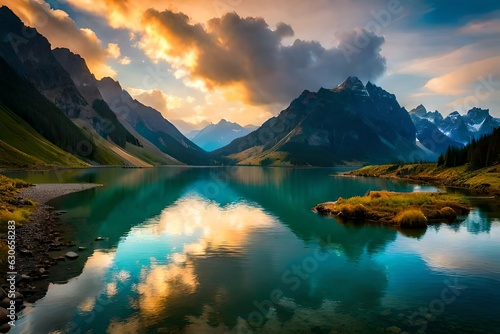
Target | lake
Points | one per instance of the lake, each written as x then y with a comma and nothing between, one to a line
238,250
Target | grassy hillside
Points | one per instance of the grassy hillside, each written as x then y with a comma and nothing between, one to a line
22,146
21,98
483,180
101,154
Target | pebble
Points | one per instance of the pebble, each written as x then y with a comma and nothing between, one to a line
5,302
71,255
25,252
99,239
4,328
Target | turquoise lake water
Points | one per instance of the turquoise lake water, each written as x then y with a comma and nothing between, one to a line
238,250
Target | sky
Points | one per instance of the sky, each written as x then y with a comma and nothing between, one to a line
198,61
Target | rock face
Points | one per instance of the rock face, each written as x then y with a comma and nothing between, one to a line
77,68
349,123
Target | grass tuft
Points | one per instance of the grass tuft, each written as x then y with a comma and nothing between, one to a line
412,218
354,211
448,214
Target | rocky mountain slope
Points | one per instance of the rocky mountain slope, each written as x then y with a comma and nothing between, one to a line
351,123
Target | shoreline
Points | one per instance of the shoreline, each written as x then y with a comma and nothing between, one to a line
434,176
40,236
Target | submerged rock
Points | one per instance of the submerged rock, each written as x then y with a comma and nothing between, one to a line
394,329
71,255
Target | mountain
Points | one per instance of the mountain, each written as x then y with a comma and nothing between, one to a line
150,124
33,60
35,67
351,123
189,129
460,129
218,135
87,85
61,81
428,133
22,99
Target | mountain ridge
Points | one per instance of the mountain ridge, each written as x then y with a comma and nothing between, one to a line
460,129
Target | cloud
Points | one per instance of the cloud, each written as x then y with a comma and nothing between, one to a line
243,57
62,31
113,50
466,78
482,27
125,61
170,106
156,98
199,113
246,59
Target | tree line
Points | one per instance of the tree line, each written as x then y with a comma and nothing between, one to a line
479,153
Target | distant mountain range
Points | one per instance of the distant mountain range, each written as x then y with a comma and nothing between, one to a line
437,133
215,136
54,112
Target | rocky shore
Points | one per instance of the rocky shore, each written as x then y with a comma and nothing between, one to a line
34,242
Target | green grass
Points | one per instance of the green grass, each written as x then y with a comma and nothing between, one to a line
8,190
22,146
10,209
150,155
401,209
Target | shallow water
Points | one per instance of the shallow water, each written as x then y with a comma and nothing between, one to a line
218,250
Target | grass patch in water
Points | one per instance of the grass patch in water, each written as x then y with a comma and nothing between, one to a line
406,210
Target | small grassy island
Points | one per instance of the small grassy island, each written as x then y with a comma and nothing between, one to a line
404,210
